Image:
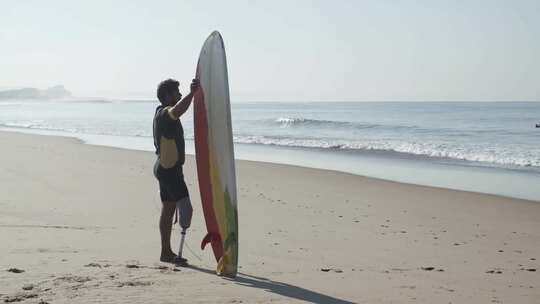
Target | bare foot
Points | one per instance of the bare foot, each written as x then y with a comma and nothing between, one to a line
167,257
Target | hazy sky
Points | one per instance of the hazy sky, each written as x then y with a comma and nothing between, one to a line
279,50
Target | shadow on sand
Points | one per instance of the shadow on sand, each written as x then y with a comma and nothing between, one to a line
279,288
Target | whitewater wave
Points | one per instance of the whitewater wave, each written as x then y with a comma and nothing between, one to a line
41,126
33,125
10,103
503,155
499,155
306,121
321,123
300,122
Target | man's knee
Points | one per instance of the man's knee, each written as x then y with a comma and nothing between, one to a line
186,212
168,208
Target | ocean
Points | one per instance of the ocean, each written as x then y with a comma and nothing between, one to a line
489,147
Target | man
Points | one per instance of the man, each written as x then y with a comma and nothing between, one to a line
170,150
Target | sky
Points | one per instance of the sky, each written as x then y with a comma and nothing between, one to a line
460,50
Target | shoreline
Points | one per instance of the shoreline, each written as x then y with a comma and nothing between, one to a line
81,221
251,154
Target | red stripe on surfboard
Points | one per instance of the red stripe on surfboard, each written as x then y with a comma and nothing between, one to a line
203,171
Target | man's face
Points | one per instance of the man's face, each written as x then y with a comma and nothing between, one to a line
174,97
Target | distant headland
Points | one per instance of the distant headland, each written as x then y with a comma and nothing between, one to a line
32,93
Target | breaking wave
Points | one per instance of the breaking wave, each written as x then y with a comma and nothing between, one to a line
501,155
479,153
299,122
321,123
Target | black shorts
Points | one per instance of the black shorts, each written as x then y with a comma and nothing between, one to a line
172,186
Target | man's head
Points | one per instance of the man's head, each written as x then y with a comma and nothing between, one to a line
168,93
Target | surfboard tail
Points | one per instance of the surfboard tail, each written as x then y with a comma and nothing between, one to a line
225,267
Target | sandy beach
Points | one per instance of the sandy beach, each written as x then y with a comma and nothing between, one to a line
78,224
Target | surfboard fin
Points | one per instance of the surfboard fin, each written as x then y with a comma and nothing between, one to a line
210,238
207,239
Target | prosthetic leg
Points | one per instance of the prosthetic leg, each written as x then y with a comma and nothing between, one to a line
179,260
183,207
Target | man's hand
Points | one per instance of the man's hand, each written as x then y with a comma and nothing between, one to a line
194,87
181,106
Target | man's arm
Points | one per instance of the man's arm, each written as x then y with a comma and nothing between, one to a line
183,105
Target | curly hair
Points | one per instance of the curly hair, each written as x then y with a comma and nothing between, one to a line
166,87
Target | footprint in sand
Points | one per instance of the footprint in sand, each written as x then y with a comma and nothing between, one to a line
20,297
398,270
73,279
97,265
15,270
429,268
336,270
161,267
408,286
134,283
529,269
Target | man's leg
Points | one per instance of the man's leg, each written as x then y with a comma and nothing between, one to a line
186,212
165,226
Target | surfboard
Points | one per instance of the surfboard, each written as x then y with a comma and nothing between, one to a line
214,152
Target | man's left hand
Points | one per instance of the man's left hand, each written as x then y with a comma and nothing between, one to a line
195,85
